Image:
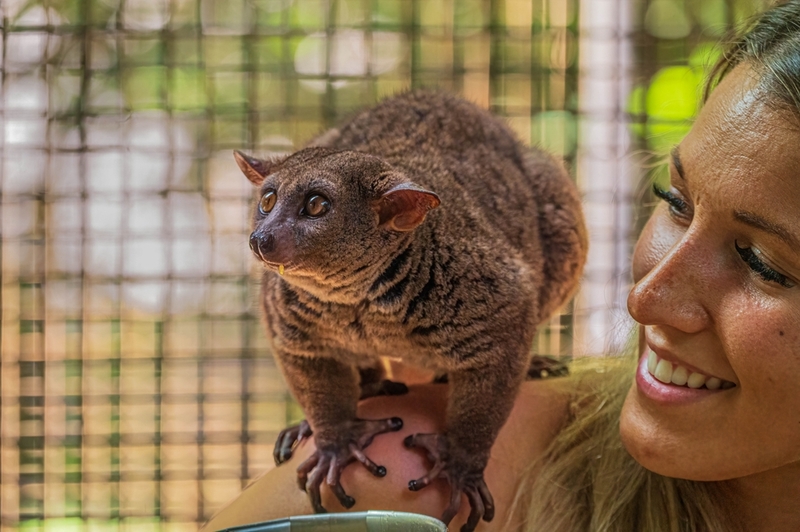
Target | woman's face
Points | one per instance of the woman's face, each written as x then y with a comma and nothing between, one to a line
717,273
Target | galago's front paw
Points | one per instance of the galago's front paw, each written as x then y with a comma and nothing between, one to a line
345,445
288,439
463,475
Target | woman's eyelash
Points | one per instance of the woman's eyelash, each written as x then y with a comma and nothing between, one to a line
757,265
679,207
676,204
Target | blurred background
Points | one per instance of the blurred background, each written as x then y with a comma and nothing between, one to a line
137,391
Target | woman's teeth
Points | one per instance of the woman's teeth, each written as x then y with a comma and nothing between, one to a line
669,373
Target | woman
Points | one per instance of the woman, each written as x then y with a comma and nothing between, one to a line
707,437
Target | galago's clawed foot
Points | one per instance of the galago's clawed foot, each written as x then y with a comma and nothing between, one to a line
346,444
464,475
288,439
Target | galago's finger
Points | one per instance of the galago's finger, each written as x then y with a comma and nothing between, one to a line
476,510
375,469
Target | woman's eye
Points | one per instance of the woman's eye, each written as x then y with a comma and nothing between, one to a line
676,205
316,205
752,258
267,202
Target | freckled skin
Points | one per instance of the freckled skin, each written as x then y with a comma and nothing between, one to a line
697,298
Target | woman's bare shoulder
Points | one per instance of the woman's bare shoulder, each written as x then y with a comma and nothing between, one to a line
539,412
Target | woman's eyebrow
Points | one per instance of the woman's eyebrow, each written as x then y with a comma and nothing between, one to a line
754,220
746,217
676,161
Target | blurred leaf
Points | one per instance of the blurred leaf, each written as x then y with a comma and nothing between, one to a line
666,19
309,14
184,13
469,14
101,12
391,12
70,10
186,51
636,110
141,52
744,9
671,104
672,94
555,131
143,87
704,56
663,135
229,89
350,13
712,15
68,524
229,15
101,525
268,53
188,88
223,51
435,15
294,414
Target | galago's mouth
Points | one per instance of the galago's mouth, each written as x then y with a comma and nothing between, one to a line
277,266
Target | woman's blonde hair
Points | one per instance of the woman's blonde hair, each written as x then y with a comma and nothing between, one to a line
587,481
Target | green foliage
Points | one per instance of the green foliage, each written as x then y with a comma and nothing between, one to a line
309,15
143,87
469,14
555,131
664,110
712,15
68,524
667,19
187,89
294,414
671,102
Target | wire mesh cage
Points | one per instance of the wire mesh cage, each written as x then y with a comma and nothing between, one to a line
137,388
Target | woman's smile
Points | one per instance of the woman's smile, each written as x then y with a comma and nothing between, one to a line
667,382
716,388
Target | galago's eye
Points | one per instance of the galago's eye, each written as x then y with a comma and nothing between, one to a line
267,202
316,206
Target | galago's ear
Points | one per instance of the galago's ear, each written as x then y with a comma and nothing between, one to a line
404,206
256,170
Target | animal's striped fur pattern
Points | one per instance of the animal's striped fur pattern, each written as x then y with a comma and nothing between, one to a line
462,292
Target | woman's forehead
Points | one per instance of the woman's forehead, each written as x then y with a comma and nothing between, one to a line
740,163
743,134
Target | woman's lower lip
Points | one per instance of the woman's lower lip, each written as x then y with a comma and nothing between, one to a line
659,392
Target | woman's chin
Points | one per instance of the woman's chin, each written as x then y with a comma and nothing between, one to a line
655,447
675,452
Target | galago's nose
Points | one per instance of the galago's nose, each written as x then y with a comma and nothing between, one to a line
262,244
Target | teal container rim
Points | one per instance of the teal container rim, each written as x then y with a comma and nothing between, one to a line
369,521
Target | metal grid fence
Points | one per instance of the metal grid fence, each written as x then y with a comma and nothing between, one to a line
137,389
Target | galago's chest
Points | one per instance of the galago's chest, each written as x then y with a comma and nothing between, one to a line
351,332
363,331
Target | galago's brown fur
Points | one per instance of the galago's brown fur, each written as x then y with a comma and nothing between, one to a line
445,244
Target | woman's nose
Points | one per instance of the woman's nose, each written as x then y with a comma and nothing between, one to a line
673,292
